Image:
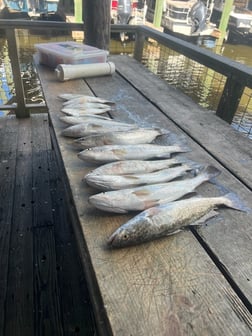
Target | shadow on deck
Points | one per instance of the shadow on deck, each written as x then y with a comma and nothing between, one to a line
43,288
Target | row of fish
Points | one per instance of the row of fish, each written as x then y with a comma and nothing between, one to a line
136,174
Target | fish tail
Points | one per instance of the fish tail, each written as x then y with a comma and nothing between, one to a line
210,172
193,166
233,201
162,131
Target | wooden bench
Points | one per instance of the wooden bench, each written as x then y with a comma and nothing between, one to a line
197,282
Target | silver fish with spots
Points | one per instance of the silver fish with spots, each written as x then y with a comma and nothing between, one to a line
71,98
83,111
141,198
170,218
95,127
131,137
137,166
102,154
115,182
72,120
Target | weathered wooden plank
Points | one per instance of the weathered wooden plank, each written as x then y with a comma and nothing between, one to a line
75,302
167,287
194,120
46,298
47,314
19,301
8,131
41,139
7,180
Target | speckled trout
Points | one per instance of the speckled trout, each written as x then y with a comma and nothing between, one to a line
141,198
79,98
83,111
137,166
115,182
129,152
95,127
131,137
170,218
72,120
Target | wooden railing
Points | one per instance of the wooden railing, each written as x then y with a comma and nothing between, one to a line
238,75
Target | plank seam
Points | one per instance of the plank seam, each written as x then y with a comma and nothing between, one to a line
184,130
224,271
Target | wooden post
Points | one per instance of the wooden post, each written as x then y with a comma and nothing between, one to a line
228,5
139,45
96,18
21,110
230,99
158,13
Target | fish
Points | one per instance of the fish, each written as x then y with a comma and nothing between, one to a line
72,120
115,182
85,106
141,198
111,153
82,112
136,136
137,166
170,218
69,97
95,127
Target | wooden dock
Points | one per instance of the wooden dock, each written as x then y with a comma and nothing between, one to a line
43,287
197,282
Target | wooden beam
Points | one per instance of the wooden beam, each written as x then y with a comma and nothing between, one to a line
96,18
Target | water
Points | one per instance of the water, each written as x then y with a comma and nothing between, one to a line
200,83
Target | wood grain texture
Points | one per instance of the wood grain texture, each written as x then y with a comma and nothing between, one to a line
7,170
194,120
19,301
166,287
43,290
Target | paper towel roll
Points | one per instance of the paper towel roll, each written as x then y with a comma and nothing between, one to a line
71,71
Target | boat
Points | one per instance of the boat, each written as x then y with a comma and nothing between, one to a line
130,12
239,23
187,19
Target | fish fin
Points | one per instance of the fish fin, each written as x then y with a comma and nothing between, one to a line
161,131
174,232
131,177
205,218
234,202
150,204
141,192
96,126
119,152
211,172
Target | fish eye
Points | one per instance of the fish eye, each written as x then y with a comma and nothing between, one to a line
125,236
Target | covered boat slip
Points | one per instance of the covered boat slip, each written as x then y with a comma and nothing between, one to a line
197,282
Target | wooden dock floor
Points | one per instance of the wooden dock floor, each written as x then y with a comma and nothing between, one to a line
43,287
197,282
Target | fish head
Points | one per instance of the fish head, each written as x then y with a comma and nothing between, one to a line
119,238
133,233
